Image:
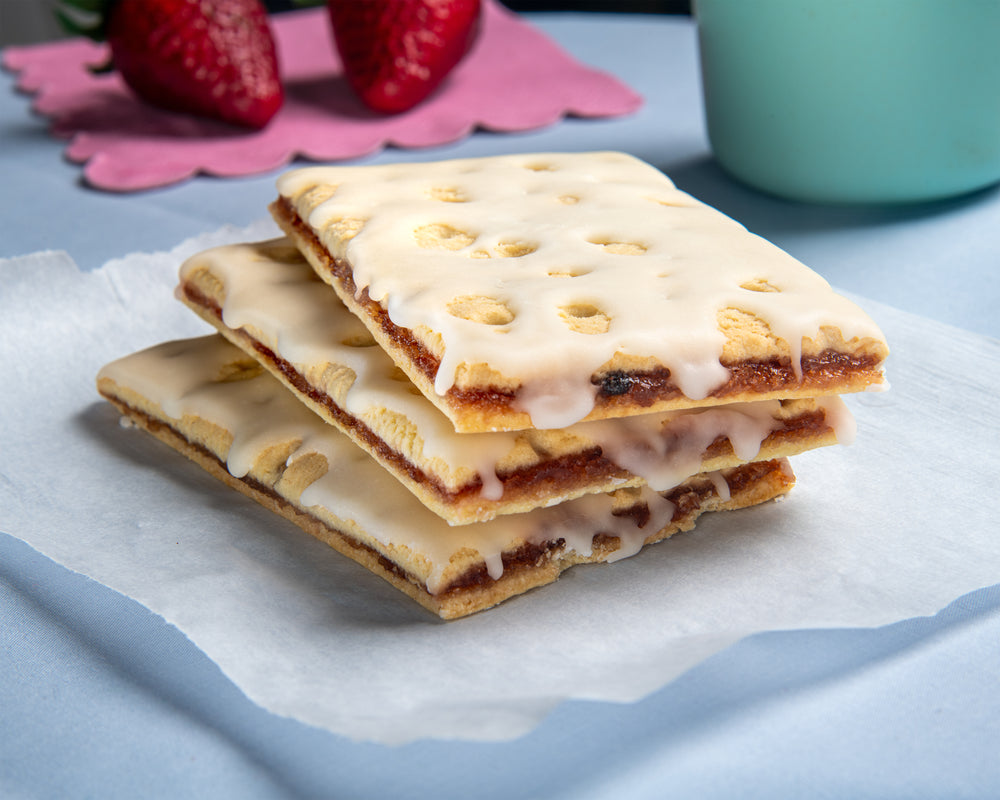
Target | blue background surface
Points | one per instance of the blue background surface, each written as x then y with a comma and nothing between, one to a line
101,698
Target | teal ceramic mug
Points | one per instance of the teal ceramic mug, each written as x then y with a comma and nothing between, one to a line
853,101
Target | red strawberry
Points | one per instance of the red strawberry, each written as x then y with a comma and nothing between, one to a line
396,52
213,58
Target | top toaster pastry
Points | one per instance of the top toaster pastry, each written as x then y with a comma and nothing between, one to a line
540,290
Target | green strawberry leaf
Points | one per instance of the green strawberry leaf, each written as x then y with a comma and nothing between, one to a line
83,17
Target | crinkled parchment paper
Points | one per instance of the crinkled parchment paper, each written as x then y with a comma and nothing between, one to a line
895,526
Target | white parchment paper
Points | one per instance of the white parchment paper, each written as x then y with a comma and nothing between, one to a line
896,526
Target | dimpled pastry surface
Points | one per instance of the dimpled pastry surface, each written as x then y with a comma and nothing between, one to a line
548,268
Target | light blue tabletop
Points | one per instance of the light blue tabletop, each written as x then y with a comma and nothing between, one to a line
101,698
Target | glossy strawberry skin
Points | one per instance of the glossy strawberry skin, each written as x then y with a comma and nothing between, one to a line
396,52
212,58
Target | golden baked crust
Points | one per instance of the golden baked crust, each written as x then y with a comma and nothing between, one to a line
281,310
296,466
454,266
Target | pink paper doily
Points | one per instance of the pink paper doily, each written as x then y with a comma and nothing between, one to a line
514,79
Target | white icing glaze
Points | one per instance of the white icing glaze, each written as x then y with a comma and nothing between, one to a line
720,484
181,377
300,318
687,262
665,449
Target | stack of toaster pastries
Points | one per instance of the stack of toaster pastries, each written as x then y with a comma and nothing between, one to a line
470,375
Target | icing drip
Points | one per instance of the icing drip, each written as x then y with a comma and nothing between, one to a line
494,565
556,403
665,449
719,482
840,418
